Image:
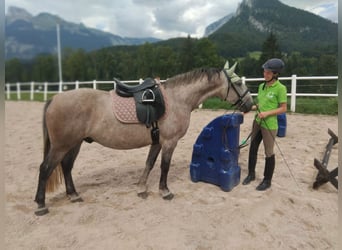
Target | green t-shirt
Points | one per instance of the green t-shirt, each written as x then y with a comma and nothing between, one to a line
269,98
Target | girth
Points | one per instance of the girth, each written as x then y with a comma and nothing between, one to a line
149,103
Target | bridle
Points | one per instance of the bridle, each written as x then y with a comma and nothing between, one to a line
239,101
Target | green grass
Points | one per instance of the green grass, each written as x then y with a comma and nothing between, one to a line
255,54
216,103
26,97
305,105
312,105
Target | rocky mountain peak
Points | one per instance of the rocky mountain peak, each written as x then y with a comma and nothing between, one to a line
15,13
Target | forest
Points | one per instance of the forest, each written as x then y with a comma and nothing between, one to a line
168,59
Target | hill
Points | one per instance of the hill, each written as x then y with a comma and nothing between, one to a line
234,35
296,29
27,35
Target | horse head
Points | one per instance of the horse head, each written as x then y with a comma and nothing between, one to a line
242,98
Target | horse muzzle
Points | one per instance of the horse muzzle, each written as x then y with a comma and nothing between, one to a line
246,104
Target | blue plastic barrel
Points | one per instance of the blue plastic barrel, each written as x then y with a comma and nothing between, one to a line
216,152
281,125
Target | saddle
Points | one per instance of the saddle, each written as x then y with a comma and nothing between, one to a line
149,102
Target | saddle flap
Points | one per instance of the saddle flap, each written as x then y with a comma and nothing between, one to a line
150,105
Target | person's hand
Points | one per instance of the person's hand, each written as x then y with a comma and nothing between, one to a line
254,108
263,115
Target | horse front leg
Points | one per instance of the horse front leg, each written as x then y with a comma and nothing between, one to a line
165,166
150,161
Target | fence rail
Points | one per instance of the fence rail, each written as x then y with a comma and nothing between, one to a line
38,87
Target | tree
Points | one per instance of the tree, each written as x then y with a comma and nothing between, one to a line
44,68
270,49
186,56
145,61
76,66
14,71
164,62
206,54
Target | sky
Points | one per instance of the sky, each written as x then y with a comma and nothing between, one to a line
161,19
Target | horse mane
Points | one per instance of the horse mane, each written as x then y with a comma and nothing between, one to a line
194,75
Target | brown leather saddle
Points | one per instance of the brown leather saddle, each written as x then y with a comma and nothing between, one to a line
149,102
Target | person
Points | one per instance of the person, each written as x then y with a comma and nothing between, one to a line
271,101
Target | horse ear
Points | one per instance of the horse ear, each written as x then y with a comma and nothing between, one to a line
232,69
226,65
231,73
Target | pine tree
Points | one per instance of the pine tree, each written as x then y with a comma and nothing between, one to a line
270,49
187,55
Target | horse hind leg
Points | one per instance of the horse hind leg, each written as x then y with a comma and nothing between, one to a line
47,167
67,165
150,161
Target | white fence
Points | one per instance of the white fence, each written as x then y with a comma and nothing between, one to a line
38,87
293,94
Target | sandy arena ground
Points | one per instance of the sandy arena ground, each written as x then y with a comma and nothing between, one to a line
290,215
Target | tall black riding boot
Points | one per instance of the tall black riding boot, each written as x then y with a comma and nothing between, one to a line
268,174
251,170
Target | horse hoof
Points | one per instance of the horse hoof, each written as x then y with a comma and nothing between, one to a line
143,195
76,198
168,197
41,211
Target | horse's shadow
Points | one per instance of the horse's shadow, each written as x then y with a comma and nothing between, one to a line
101,183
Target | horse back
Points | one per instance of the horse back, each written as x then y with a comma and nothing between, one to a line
81,114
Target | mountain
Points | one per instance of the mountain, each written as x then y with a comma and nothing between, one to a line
211,28
295,29
234,35
27,35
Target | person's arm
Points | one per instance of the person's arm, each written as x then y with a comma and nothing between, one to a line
282,109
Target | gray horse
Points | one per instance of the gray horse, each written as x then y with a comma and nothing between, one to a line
77,115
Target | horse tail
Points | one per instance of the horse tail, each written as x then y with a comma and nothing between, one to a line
56,177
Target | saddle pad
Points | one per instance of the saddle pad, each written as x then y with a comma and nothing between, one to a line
124,108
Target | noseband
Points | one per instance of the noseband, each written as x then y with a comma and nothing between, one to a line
240,101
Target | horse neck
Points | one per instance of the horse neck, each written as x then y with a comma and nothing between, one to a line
194,92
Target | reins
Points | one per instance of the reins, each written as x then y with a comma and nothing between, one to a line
239,101
281,152
244,143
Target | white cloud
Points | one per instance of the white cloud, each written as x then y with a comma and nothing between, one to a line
154,18
327,10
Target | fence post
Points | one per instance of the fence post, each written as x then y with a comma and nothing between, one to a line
8,91
32,91
60,88
243,78
45,90
94,84
77,85
293,92
18,91
337,88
